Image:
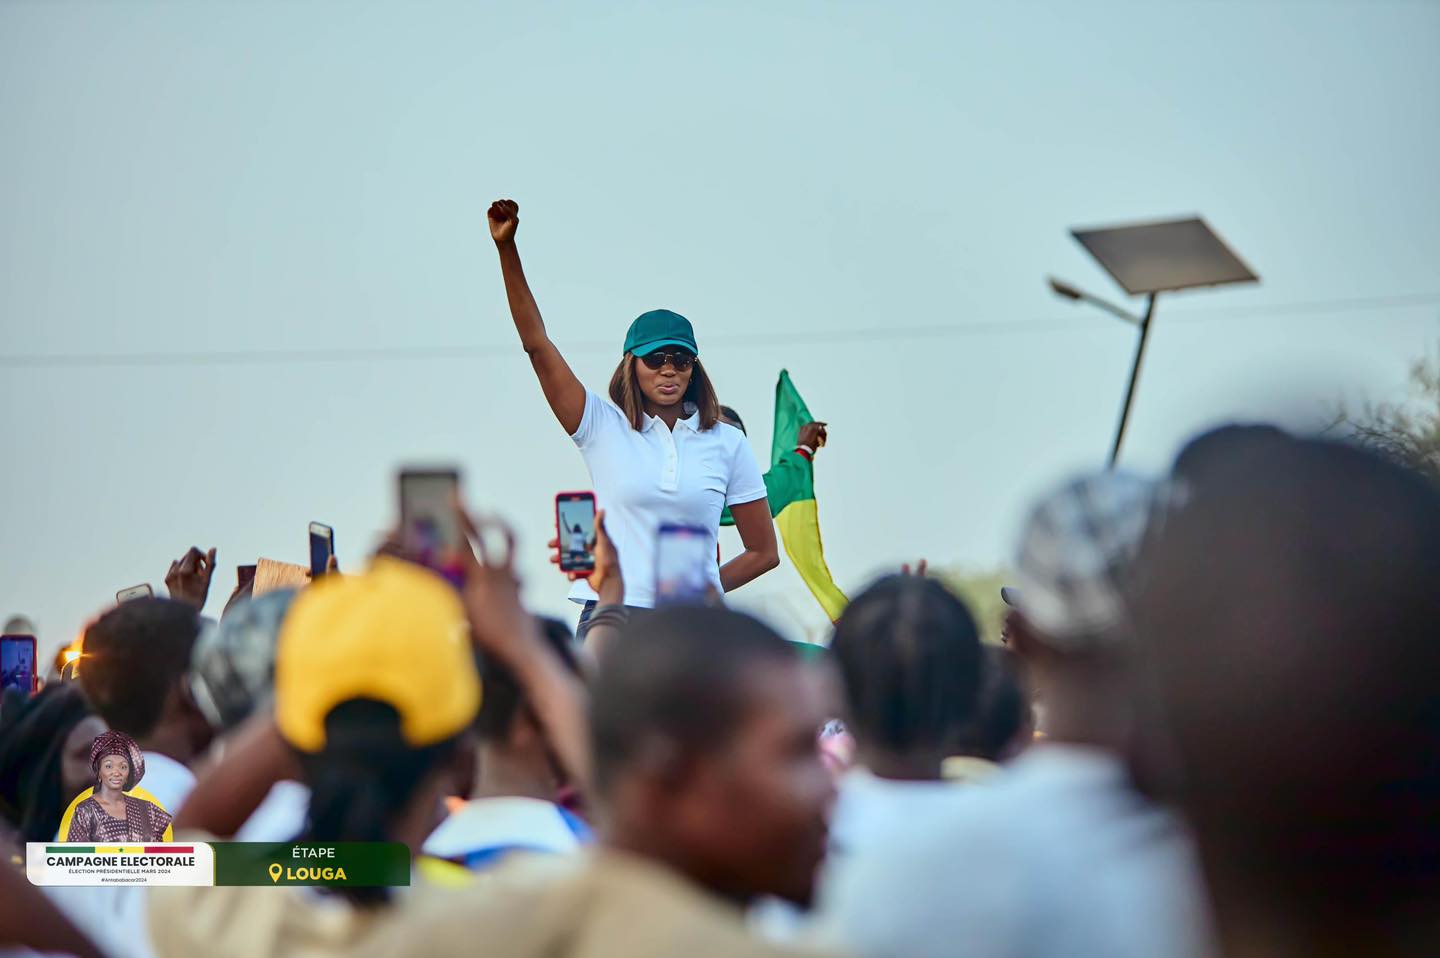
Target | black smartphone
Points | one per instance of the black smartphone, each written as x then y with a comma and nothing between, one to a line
575,528
244,575
322,547
430,532
17,663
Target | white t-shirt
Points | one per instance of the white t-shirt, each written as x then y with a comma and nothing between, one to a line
280,817
1055,856
168,780
647,477
867,811
868,808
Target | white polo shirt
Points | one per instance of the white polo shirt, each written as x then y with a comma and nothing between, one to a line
651,476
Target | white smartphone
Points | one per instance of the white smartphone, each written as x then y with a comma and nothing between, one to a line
141,591
683,559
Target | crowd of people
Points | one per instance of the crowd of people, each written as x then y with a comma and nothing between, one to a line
1212,728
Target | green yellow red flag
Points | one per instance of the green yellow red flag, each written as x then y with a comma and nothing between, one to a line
790,487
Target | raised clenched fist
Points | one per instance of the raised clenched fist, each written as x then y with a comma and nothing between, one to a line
504,216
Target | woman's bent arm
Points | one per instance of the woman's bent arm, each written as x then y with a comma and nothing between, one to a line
757,533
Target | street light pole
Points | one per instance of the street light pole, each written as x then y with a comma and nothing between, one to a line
1134,376
1147,259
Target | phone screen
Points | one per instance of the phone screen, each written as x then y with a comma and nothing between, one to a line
683,557
322,547
142,591
17,663
575,525
429,531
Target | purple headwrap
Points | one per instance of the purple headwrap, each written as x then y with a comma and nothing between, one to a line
118,743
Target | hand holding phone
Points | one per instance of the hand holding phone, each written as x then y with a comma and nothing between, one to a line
17,663
575,530
605,578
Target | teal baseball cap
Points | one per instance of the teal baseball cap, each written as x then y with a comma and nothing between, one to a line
657,328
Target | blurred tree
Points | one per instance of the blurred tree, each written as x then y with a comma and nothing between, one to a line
980,590
1408,432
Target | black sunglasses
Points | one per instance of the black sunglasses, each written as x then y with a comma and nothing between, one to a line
657,360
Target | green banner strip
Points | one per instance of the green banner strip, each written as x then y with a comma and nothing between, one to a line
306,863
69,849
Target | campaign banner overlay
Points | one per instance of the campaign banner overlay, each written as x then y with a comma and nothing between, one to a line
320,864
164,863
220,863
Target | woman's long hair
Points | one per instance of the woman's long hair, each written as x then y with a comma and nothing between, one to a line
31,751
363,779
625,393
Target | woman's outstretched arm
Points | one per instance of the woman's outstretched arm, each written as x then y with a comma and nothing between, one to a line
562,388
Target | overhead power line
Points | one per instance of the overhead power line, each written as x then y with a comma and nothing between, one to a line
808,337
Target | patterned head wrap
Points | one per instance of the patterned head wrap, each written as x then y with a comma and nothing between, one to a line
118,743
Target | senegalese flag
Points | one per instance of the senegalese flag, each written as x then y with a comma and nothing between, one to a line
790,486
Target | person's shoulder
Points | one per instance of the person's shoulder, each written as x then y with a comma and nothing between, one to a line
159,816
671,915
83,810
731,437
934,829
514,908
601,415
247,921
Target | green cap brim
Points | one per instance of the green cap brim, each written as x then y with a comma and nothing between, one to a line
648,348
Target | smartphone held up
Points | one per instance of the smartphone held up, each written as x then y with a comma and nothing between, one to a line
322,547
141,591
575,530
430,532
17,663
684,557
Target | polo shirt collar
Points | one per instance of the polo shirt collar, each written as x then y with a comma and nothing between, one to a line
691,420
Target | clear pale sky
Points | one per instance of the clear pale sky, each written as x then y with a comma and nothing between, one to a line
869,194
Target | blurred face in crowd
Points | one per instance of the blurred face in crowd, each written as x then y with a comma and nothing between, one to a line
664,386
75,774
114,771
753,814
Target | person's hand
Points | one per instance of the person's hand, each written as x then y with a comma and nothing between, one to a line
605,578
812,434
491,591
243,593
332,566
189,577
919,570
504,216
502,628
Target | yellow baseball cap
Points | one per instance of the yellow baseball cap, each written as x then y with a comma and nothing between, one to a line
397,634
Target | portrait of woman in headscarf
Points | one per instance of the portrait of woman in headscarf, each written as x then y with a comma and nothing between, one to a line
109,814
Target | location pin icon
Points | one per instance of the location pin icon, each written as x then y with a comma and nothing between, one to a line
275,871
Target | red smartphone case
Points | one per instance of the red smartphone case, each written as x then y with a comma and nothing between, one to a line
560,533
